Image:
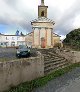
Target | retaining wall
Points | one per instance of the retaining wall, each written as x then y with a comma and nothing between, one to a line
72,56
18,71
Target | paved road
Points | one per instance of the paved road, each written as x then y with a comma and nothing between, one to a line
69,82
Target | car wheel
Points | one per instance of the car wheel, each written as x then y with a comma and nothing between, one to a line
18,56
29,54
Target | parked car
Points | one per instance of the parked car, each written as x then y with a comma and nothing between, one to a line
23,51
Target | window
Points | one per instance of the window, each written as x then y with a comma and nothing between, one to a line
7,43
12,44
17,38
12,38
1,43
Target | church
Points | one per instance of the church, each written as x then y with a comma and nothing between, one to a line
42,35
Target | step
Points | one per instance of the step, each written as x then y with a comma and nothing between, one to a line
50,70
57,66
57,59
52,61
52,58
54,54
51,53
55,63
46,55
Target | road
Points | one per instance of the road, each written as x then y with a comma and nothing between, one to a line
69,82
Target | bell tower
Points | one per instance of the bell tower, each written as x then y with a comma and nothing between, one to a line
42,10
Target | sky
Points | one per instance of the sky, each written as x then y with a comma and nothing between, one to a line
18,14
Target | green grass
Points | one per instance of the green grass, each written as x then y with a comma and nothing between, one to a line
29,86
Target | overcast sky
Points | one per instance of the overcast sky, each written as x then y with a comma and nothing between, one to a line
17,14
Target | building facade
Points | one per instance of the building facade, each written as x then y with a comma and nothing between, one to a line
11,40
43,36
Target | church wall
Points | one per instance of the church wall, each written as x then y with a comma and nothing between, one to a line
42,34
29,40
56,40
36,37
48,37
42,30
42,24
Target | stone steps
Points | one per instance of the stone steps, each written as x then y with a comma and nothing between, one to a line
54,68
47,59
55,64
53,57
53,61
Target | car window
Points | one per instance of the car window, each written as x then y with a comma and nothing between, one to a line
22,47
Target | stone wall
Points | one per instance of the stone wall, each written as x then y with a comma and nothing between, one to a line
21,70
72,56
76,57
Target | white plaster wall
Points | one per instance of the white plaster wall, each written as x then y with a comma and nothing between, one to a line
42,34
36,36
2,38
48,37
10,39
42,24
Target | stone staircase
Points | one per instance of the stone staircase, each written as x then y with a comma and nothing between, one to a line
53,61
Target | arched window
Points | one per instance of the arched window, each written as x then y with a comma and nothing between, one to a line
42,13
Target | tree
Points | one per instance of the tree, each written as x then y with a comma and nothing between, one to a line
17,33
21,34
73,38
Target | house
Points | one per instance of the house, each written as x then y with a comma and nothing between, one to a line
11,40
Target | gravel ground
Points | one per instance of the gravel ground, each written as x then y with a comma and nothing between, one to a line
69,82
7,53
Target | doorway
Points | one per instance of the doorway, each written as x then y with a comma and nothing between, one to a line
43,43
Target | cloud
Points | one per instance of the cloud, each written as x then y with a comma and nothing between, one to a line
65,13
65,23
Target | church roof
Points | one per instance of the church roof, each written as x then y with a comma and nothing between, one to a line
56,35
43,19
